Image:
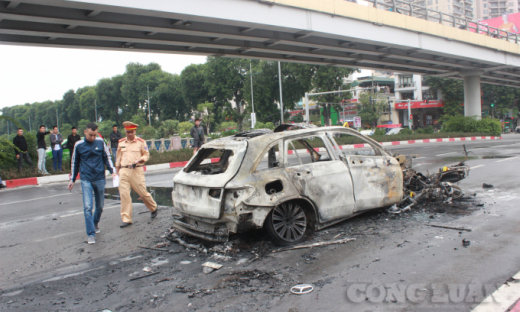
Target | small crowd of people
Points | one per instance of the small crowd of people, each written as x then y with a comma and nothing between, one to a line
90,157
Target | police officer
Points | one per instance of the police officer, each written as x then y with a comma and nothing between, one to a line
132,153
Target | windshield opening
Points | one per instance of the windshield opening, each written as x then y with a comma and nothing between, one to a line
210,161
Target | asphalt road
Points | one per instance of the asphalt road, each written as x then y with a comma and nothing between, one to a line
47,265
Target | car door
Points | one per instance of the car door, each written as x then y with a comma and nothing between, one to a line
377,177
320,176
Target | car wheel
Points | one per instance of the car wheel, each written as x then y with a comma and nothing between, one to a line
289,223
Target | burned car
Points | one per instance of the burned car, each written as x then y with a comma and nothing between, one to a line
291,182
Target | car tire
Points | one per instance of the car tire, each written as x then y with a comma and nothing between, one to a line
290,223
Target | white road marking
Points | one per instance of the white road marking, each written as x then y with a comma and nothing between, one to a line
500,300
476,167
446,153
419,157
56,236
163,182
23,201
104,208
506,159
422,164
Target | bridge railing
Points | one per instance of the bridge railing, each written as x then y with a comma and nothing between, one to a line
422,12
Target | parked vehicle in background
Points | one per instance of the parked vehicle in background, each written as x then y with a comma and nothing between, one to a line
390,127
290,182
367,132
393,131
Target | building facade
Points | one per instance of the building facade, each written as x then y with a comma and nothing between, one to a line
426,105
487,9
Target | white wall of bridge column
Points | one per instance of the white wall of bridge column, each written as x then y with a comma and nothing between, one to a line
472,101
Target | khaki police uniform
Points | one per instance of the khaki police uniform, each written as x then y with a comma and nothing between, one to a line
128,152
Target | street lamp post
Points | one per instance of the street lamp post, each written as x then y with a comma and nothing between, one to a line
280,83
149,115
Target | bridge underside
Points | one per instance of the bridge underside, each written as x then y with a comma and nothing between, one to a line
85,25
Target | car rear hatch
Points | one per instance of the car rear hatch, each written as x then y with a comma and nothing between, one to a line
198,189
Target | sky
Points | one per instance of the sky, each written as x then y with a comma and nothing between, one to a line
37,74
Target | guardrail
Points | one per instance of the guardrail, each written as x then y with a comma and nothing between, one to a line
170,144
422,12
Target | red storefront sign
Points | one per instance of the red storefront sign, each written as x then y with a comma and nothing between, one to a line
421,104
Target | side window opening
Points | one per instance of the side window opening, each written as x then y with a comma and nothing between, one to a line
270,159
351,145
211,161
316,151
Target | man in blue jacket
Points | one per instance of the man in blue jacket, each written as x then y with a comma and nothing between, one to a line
89,158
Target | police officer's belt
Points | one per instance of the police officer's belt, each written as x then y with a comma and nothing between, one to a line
131,167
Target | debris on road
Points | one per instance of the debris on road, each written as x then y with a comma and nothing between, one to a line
139,277
485,185
449,227
147,269
302,289
209,267
465,242
151,248
341,241
437,187
185,244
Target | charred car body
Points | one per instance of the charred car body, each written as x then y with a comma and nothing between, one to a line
291,182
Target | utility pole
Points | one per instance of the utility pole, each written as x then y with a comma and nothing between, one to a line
409,115
280,82
95,104
149,116
253,116
389,110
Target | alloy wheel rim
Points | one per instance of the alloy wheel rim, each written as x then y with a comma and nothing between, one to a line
289,221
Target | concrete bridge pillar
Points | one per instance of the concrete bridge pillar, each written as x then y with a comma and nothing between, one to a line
472,102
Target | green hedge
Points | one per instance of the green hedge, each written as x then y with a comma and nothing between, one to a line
487,126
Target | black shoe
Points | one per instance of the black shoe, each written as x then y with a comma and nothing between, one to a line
3,186
154,213
125,225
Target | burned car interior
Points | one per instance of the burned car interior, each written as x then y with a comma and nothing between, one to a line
203,164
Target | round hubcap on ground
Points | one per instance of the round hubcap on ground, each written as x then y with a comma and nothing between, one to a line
289,221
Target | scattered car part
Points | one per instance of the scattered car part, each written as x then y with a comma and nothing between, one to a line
341,241
302,289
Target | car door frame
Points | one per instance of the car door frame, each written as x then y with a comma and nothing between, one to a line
327,184
377,179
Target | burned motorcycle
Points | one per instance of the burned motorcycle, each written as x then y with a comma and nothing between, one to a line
437,187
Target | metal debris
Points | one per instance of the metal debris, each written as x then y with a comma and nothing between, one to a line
302,289
151,248
209,267
449,227
341,241
183,243
485,185
139,277
465,242
436,187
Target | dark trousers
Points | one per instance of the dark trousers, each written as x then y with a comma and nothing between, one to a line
56,159
27,159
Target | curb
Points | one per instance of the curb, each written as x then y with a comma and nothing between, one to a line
65,177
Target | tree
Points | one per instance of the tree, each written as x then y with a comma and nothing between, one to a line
330,78
192,86
131,89
168,128
225,78
371,107
109,98
185,127
452,93
206,109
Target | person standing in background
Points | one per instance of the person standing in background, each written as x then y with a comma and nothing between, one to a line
40,136
21,150
115,136
197,133
71,141
2,184
57,149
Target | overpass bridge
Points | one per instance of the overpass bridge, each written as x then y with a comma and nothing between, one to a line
327,32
